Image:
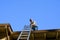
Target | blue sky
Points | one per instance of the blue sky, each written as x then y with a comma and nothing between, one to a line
46,13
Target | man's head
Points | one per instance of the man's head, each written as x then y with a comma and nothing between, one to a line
30,20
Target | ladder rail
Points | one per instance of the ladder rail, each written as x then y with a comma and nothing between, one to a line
20,35
29,34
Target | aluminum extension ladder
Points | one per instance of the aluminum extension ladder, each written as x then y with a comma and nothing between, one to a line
25,34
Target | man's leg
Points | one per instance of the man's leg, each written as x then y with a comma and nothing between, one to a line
33,28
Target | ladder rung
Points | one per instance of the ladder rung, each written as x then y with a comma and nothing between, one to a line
24,35
23,38
26,30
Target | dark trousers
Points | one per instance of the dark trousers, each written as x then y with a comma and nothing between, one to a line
35,28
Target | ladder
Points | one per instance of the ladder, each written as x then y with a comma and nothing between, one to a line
25,34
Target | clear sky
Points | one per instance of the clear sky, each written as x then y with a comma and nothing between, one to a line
46,13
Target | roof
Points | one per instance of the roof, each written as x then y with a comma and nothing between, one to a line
7,24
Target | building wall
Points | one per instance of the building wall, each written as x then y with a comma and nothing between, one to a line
35,35
46,35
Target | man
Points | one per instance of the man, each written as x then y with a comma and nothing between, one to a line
33,25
